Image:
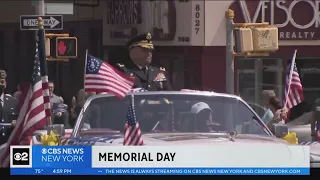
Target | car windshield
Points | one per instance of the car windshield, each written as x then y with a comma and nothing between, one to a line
172,113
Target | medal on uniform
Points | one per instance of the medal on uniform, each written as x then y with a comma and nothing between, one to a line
132,77
160,77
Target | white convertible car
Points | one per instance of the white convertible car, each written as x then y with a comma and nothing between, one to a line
173,118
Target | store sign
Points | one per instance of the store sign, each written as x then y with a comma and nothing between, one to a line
123,12
296,19
169,22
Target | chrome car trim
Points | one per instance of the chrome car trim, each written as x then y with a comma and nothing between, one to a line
315,164
197,93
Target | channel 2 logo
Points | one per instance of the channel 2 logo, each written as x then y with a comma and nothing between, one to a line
20,156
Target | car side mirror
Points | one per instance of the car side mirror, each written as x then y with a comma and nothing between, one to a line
280,130
57,129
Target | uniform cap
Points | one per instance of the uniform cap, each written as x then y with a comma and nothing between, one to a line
142,40
3,74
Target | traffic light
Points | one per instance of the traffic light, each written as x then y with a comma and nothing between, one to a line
66,47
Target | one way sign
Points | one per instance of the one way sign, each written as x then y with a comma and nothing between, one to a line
30,22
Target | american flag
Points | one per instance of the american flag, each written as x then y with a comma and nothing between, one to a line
101,77
32,114
44,72
132,132
295,90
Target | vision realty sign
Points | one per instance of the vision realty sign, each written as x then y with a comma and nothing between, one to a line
296,19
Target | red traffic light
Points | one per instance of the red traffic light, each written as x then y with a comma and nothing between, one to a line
66,47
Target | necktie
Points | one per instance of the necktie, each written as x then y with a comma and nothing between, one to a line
144,69
1,101
1,109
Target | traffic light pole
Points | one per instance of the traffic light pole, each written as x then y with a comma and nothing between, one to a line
40,7
229,52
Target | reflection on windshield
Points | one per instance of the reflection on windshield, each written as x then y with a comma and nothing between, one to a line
173,113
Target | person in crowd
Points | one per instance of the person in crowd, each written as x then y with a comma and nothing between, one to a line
82,96
77,104
315,122
139,66
92,118
54,98
299,110
91,115
279,112
58,117
72,116
8,110
267,96
17,94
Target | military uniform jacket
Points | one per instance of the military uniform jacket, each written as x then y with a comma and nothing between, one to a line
8,112
151,79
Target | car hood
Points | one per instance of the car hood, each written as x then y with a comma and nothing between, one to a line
167,139
314,151
100,137
302,127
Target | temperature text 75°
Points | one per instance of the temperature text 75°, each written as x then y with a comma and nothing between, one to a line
38,171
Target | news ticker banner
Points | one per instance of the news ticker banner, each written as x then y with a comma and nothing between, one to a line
160,160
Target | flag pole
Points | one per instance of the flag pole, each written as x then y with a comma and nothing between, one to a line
290,77
43,61
85,65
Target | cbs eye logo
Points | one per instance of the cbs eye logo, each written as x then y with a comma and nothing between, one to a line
20,156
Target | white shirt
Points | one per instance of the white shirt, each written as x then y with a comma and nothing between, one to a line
140,67
1,99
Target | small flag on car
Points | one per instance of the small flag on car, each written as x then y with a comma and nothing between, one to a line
132,132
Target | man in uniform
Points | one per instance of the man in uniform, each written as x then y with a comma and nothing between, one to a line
146,76
8,110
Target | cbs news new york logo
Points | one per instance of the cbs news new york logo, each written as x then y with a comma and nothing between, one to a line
20,156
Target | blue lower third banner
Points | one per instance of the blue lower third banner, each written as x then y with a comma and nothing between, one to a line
152,160
160,171
61,157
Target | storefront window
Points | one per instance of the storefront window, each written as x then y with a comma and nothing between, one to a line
309,70
181,70
258,74
246,79
272,75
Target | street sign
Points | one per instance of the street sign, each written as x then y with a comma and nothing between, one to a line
59,8
30,22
